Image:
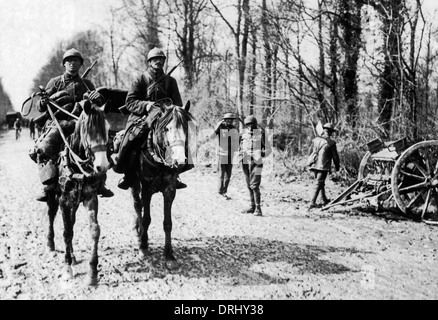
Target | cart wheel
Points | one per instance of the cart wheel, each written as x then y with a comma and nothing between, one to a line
364,167
414,180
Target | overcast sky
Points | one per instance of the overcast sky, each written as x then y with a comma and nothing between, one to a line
29,29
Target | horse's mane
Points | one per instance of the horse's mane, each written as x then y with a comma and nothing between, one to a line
92,126
161,119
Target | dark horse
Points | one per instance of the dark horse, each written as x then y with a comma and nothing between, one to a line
162,156
82,164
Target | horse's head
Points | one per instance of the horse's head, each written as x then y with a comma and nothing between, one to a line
174,126
93,130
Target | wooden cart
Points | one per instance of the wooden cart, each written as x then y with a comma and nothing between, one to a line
400,174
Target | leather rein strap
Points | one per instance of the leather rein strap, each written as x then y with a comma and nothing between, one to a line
74,156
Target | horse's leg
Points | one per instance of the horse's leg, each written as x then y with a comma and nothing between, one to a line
67,213
52,206
73,221
91,205
146,221
138,225
169,196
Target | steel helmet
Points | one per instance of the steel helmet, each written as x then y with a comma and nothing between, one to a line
229,115
250,119
72,53
155,52
329,126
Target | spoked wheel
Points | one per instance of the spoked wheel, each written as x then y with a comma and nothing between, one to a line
414,181
365,166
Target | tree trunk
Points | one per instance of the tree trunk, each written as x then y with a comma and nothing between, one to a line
351,25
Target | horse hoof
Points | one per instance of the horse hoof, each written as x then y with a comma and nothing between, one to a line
51,246
74,261
92,281
68,274
172,264
144,253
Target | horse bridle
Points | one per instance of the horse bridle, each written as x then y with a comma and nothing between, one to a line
159,153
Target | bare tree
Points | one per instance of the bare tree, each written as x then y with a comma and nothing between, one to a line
350,12
240,43
186,23
144,17
118,41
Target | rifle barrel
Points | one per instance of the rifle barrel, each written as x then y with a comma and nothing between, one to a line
88,69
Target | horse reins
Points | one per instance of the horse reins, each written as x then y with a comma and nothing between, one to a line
73,155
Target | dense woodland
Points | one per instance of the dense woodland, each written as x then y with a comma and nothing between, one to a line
366,65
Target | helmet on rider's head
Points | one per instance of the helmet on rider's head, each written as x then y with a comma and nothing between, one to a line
72,53
329,126
155,53
229,115
250,120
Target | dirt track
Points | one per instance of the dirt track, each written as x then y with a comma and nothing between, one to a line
288,253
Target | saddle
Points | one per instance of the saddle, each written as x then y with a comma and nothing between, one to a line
49,144
127,141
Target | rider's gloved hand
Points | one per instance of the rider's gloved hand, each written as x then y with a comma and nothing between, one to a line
43,102
149,105
94,96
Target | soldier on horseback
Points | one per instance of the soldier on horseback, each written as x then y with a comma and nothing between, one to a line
150,88
67,90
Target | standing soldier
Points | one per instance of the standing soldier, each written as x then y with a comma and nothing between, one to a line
67,90
228,137
252,151
323,150
151,87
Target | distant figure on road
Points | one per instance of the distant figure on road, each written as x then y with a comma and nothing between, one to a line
17,127
32,129
39,130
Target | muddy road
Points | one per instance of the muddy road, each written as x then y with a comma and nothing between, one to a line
288,253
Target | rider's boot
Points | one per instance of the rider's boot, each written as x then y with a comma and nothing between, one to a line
180,184
128,177
42,196
126,181
104,192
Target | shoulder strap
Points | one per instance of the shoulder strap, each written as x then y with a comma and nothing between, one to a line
326,142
